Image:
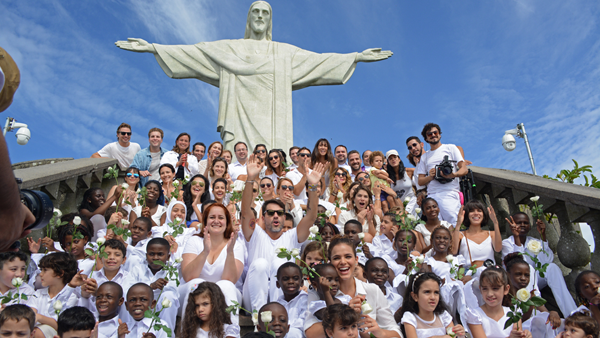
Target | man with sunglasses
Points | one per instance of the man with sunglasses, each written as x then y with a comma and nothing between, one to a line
445,194
262,243
123,150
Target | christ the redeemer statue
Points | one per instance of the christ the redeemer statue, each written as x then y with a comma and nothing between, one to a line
255,77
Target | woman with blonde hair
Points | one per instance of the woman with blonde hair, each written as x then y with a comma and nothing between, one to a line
339,185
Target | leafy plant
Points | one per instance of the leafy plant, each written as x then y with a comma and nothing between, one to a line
142,196
520,305
569,176
97,251
177,225
171,270
17,296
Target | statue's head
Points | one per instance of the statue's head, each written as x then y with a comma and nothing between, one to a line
260,19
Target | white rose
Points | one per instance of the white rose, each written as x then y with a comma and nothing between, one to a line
278,251
361,235
17,281
295,252
420,259
238,185
523,295
178,260
58,213
407,199
340,195
450,332
418,210
124,222
366,308
77,220
100,240
175,183
125,186
57,305
449,258
139,191
534,246
314,229
411,217
266,316
328,213
166,303
255,318
598,291
535,198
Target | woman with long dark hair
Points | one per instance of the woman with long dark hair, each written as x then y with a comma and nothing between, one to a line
194,194
180,157
402,186
275,168
322,153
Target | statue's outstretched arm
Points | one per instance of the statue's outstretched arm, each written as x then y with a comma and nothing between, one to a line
136,45
373,54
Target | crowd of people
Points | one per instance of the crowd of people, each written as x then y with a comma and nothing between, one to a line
325,243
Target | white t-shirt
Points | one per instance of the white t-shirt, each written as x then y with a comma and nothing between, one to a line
236,169
212,272
425,329
172,158
296,177
154,165
122,154
157,215
261,245
403,189
434,157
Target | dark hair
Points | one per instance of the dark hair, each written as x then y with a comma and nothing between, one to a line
111,210
333,227
413,237
424,201
513,258
188,199
311,247
442,228
199,144
86,228
206,204
176,147
428,127
288,265
10,256
240,142
63,264
339,313
328,156
369,200
414,284
263,209
392,172
304,148
218,315
76,318
336,240
116,244
159,241
132,169
211,170
413,138
145,286
270,169
471,206
353,222
168,165
161,196
354,152
222,180
319,268
17,312
362,156
162,134
259,145
114,284
145,220
584,321
124,125
495,276
374,259
579,297
292,148
85,204
258,334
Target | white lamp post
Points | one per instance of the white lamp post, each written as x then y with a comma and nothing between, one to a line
509,143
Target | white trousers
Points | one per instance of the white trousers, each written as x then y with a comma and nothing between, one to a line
260,286
449,204
555,280
229,290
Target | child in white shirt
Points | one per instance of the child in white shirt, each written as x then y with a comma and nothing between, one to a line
109,299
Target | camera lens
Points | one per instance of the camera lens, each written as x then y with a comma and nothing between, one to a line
40,206
447,170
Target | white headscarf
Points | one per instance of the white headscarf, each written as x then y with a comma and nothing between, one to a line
170,209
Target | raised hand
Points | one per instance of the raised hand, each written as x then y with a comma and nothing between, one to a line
460,218
253,167
315,176
34,247
159,284
146,212
492,213
123,330
231,242
77,280
514,228
376,189
207,242
136,45
541,228
48,243
89,288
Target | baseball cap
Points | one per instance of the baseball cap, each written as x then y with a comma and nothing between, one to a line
390,153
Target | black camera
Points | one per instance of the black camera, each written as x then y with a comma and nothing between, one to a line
445,167
39,204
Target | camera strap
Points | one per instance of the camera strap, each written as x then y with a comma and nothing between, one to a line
468,249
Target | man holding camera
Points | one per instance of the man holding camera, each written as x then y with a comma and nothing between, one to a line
437,171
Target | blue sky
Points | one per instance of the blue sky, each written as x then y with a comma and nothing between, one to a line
476,68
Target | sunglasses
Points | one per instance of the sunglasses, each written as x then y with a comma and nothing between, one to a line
340,174
260,151
287,187
412,145
361,179
304,155
433,133
266,185
254,191
124,133
276,157
130,175
199,183
273,212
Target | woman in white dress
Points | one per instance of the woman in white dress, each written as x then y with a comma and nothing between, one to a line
194,194
402,185
151,209
180,157
213,255
431,212
363,211
167,177
379,322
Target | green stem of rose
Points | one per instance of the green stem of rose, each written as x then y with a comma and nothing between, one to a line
154,311
18,296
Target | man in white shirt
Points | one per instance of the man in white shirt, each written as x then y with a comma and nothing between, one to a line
355,163
365,157
123,150
297,175
261,244
444,188
341,154
198,150
239,167
294,157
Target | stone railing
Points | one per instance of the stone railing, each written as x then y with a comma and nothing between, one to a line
65,181
570,203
